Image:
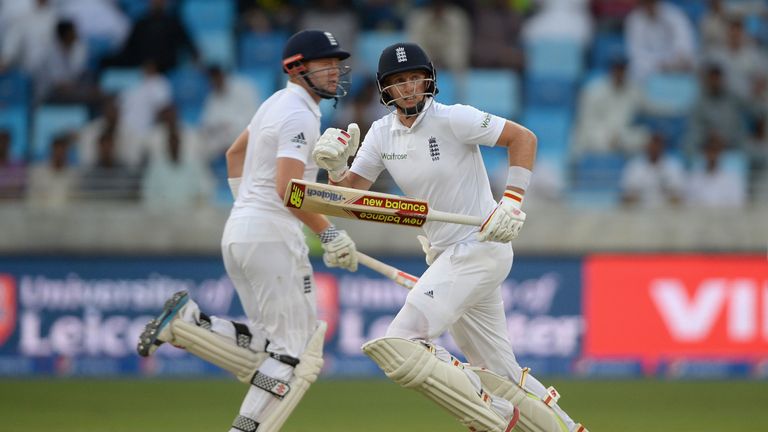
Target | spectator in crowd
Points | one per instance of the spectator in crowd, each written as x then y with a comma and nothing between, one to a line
716,108
62,75
740,59
363,109
228,109
710,185
51,183
98,20
444,31
560,20
653,179
11,11
606,111
28,38
660,38
610,15
159,36
168,126
758,96
713,26
496,39
338,15
139,107
12,173
108,178
757,153
176,176
126,145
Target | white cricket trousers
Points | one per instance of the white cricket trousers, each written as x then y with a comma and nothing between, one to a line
268,263
460,292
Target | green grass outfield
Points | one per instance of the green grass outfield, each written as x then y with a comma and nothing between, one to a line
57,405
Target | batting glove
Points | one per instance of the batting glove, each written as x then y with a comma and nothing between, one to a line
505,221
340,250
429,254
333,149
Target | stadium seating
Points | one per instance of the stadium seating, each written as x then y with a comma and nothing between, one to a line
15,89
552,126
205,15
216,47
15,119
115,80
605,47
190,88
550,92
264,79
370,44
493,91
258,50
671,93
51,120
554,58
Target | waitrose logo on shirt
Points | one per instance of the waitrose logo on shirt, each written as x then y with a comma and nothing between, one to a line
394,156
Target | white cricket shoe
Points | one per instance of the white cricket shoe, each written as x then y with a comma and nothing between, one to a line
158,331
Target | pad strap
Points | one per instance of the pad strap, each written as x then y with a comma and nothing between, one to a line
277,387
282,358
245,424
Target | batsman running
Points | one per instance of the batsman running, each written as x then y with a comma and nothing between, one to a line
432,152
278,352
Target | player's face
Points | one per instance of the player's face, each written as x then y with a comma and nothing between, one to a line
326,73
407,88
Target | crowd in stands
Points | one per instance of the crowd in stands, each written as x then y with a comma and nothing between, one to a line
635,102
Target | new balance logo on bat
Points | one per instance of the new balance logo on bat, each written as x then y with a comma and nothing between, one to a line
430,294
299,139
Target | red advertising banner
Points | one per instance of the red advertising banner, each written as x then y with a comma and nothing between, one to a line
666,307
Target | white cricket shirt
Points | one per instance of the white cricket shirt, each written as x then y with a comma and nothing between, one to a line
285,125
437,159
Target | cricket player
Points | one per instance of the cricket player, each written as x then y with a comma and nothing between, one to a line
432,152
279,351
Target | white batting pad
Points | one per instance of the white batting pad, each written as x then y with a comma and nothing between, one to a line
535,415
217,349
413,366
305,373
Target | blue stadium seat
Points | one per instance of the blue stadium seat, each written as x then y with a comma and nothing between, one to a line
14,89
16,120
134,8
115,80
216,47
554,58
694,9
446,84
370,44
51,120
494,91
673,128
550,92
261,50
190,88
265,79
596,181
606,47
552,126
671,93
98,48
208,15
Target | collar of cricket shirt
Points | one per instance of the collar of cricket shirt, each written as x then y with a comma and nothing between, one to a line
302,92
397,126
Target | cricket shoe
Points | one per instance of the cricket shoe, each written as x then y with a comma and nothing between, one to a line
158,331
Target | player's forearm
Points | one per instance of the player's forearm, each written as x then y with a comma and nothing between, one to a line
521,150
316,222
236,156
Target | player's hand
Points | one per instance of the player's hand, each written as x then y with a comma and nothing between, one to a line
340,250
333,149
429,254
503,224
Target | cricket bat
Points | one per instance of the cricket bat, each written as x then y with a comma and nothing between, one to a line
399,277
366,205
